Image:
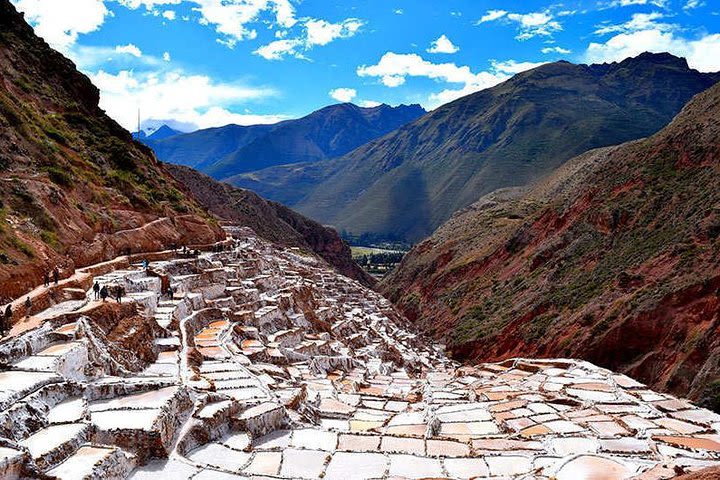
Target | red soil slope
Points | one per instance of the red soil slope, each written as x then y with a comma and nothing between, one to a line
615,258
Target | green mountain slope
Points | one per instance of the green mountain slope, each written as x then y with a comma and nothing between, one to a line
326,133
404,185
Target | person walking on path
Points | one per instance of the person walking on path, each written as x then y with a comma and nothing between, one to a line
96,291
170,293
119,291
104,292
56,275
28,307
46,279
5,320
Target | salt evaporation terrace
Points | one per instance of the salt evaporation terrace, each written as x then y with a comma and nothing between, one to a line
267,364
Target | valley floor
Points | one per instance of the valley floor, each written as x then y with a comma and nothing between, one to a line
267,364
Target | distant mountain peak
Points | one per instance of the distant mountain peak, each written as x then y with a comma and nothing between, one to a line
654,59
164,131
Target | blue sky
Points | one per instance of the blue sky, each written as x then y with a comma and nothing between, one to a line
202,63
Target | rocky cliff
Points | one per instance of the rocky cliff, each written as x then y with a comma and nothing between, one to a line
614,259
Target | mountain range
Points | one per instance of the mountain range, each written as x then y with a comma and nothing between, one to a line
404,185
327,133
77,190
614,258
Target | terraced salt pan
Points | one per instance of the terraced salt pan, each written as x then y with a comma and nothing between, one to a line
126,419
68,411
152,399
52,437
345,391
82,464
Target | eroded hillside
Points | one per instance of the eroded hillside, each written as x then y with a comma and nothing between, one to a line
75,188
271,221
614,259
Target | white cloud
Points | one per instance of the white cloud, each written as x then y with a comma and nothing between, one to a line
534,24
369,103
692,4
317,32
513,67
130,49
638,21
322,32
279,49
561,50
284,13
91,58
531,25
491,15
166,56
443,45
169,14
394,68
232,19
344,95
702,54
148,4
645,32
60,22
192,99
627,3
398,11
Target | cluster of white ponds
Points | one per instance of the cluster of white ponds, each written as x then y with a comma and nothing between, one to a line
268,364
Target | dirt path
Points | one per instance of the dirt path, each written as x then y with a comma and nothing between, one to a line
43,298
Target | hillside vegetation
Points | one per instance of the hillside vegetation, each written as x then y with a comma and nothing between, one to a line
404,185
71,177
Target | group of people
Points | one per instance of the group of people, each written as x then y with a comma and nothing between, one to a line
55,277
100,292
6,317
103,292
189,253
